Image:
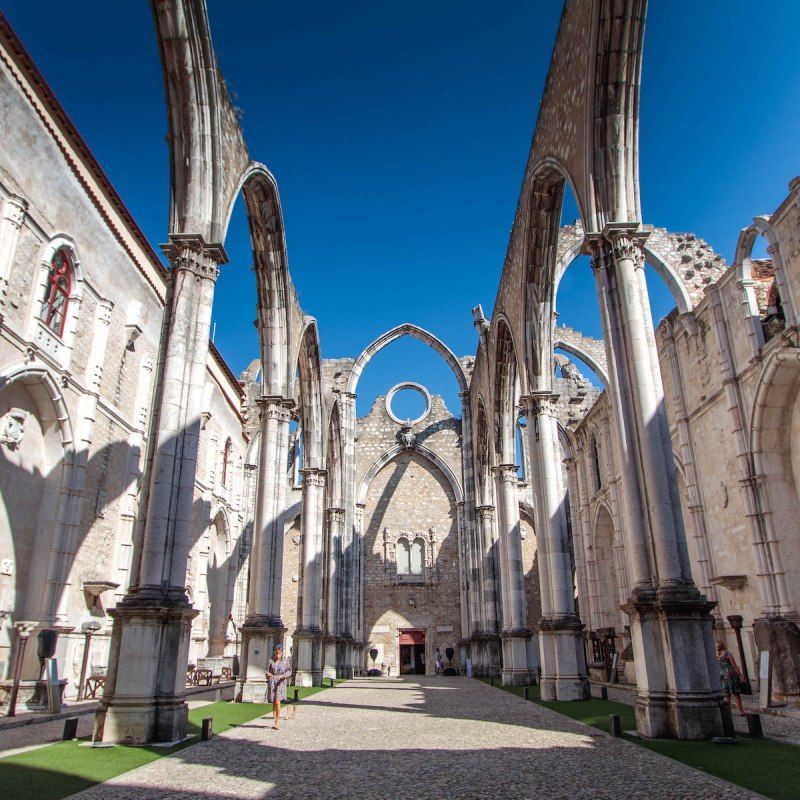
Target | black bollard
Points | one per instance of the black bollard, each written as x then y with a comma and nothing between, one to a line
754,725
70,729
296,695
614,725
526,692
491,680
333,682
207,729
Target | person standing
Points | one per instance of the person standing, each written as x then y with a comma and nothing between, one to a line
729,676
279,671
439,663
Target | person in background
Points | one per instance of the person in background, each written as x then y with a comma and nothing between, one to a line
438,662
729,676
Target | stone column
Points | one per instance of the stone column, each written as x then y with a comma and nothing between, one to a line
350,577
671,627
560,639
515,633
333,667
307,637
144,697
357,657
263,626
490,601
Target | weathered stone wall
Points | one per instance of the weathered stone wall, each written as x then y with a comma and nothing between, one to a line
410,494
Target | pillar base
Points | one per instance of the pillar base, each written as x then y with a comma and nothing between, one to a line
345,659
678,694
563,660
259,636
330,661
516,668
307,657
144,697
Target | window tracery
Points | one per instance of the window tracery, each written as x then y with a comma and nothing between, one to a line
410,556
57,292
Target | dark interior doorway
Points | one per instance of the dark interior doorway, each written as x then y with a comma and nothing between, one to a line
412,652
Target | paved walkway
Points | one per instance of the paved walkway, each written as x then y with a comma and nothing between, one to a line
423,738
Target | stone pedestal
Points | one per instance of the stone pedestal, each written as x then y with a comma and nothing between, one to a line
563,661
307,657
781,638
678,694
516,671
145,687
258,639
331,654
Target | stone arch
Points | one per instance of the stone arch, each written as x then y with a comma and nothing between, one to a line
406,329
575,344
602,569
40,476
421,450
776,466
219,581
334,452
308,393
506,393
483,455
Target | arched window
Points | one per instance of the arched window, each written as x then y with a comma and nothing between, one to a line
57,292
597,473
417,556
403,557
226,463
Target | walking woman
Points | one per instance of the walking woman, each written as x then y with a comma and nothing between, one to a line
729,676
279,671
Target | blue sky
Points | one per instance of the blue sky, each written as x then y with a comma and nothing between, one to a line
398,134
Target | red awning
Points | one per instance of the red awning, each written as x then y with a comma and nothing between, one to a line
412,637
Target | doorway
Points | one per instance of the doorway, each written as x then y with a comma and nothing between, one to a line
412,652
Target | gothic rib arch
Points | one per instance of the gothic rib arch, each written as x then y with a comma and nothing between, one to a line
560,343
406,329
419,449
308,395
506,383
482,455
334,458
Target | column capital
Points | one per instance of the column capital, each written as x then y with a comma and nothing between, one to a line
274,407
190,251
335,515
314,476
486,513
627,241
507,472
543,403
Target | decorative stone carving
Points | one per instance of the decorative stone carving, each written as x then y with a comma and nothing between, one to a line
12,427
430,572
407,437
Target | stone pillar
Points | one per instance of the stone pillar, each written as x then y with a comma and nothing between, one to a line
307,637
357,656
334,666
488,552
515,634
671,627
560,630
144,697
263,627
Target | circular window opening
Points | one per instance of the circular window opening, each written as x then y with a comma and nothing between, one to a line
408,403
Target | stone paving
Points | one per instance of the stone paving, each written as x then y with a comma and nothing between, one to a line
437,738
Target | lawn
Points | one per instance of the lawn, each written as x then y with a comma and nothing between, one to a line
61,769
762,765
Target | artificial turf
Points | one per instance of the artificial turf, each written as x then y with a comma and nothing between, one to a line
761,765
61,769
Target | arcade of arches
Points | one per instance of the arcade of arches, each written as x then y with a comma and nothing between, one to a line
157,511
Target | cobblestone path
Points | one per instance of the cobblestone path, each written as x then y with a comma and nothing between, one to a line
437,738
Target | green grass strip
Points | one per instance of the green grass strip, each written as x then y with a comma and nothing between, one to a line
59,770
761,765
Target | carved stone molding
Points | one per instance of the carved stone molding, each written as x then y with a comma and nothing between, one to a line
430,572
12,427
313,476
335,516
485,513
191,252
508,473
277,408
538,404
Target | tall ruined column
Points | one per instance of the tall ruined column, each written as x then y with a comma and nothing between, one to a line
357,655
349,583
144,697
560,639
335,520
11,219
515,635
307,636
671,627
490,601
263,626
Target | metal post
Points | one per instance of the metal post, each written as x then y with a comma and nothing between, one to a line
24,630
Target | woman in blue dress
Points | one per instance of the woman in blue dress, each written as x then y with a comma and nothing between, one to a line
279,673
729,676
